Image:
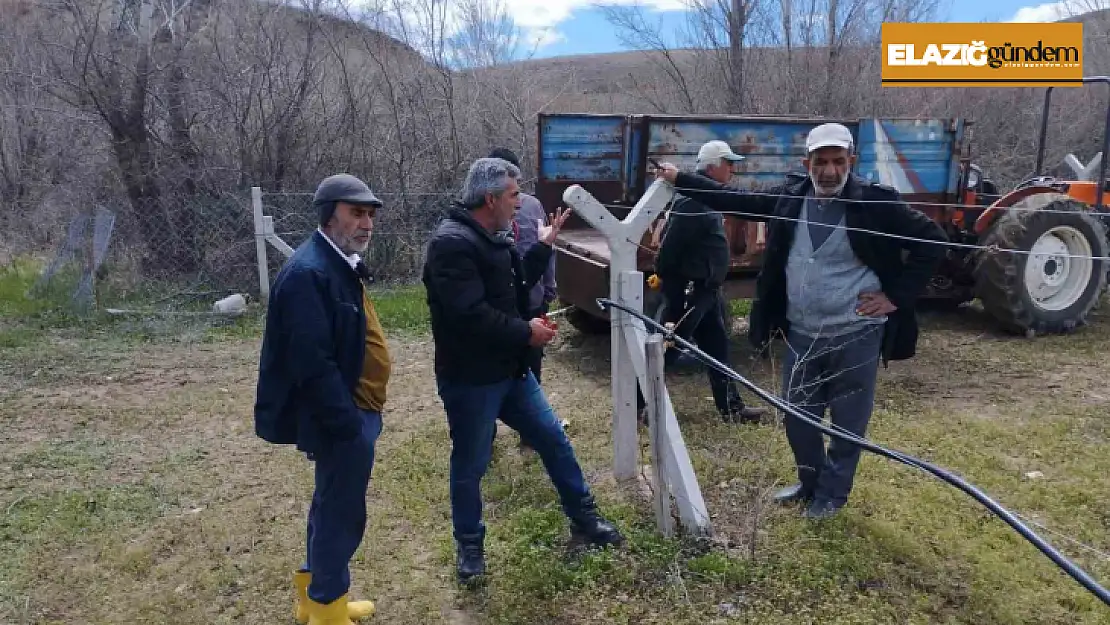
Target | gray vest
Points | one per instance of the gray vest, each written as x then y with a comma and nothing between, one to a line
823,285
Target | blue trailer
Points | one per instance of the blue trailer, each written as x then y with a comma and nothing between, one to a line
1056,228
608,155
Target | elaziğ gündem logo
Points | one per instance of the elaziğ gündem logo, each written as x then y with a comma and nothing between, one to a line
966,55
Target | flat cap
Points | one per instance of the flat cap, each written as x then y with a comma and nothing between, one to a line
345,188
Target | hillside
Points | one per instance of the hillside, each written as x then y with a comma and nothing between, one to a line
813,82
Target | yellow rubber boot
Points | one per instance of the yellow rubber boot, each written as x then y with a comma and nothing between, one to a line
334,613
356,610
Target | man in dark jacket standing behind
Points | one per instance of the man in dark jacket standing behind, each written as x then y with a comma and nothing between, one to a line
477,288
695,250
322,383
842,298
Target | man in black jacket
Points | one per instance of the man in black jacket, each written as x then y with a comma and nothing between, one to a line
843,299
695,249
477,288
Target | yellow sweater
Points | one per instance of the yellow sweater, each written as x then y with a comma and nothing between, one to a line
370,392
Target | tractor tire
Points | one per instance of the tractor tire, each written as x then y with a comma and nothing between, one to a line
1044,289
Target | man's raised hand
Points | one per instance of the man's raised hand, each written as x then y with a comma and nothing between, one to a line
548,232
667,171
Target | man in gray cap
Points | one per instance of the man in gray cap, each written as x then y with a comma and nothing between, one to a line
322,380
842,298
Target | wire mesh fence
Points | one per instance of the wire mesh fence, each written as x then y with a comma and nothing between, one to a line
401,228
187,253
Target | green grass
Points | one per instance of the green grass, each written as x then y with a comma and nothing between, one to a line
403,309
175,513
740,307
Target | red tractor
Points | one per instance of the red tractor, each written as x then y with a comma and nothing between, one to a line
1058,228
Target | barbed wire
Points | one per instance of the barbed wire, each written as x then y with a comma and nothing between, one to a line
975,207
954,244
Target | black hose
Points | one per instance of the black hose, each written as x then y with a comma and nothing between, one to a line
1059,559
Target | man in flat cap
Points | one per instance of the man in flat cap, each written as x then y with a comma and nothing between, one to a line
845,263
322,383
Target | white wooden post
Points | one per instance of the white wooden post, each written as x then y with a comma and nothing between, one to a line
260,245
623,237
629,364
679,470
274,239
654,393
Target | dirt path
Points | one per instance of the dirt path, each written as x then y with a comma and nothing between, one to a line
136,491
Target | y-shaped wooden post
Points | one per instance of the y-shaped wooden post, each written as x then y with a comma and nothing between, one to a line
626,286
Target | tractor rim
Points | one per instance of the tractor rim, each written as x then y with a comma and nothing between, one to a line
1059,268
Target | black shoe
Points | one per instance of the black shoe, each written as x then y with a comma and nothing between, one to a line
471,559
793,494
744,414
821,509
589,526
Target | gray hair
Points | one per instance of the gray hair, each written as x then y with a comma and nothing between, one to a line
487,175
704,163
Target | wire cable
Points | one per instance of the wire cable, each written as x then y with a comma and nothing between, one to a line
968,207
889,235
1073,570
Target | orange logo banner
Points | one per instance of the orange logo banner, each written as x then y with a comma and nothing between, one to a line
982,55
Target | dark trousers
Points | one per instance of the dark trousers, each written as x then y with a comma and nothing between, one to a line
703,323
337,516
520,403
839,374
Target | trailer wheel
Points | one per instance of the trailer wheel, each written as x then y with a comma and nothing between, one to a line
1051,285
586,323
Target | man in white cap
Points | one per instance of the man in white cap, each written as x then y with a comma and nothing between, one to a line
843,299
694,249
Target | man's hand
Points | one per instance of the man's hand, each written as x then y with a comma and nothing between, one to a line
667,171
874,304
547,233
542,333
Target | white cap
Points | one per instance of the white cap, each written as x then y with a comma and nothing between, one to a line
716,150
829,135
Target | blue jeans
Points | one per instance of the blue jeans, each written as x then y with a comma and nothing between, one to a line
520,403
337,517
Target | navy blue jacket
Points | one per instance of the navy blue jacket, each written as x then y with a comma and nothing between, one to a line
312,351
478,287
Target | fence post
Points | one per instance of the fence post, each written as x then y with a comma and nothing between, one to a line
623,237
260,246
654,394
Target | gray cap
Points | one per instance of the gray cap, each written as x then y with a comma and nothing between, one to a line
345,188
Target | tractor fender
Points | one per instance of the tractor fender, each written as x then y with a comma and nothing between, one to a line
986,218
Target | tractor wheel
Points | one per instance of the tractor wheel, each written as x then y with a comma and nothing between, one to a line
1052,283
